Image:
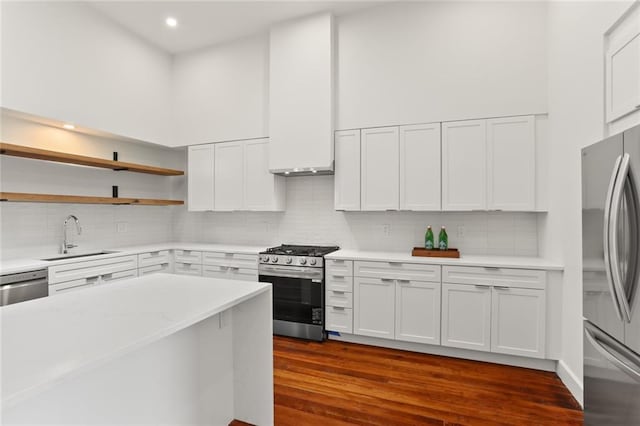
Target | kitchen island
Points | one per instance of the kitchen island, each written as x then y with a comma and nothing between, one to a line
158,349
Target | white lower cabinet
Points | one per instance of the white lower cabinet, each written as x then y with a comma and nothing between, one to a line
374,307
505,314
339,319
418,312
466,316
518,321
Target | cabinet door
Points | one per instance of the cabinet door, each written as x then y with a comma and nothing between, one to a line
622,62
200,178
347,167
418,312
518,321
263,191
420,167
511,163
229,176
380,166
155,269
374,307
464,165
466,316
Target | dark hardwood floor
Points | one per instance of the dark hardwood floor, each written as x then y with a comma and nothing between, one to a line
335,383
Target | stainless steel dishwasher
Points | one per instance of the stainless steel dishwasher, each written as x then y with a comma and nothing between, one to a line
23,286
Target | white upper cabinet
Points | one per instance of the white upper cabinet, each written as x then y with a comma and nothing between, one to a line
420,167
232,176
622,60
301,94
229,191
200,178
511,165
347,176
379,169
263,191
464,166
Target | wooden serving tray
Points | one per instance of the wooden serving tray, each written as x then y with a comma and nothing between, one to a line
423,252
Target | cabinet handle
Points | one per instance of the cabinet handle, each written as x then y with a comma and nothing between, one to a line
338,291
492,268
154,253
501,287
404,281
395,263
387,279
482,286
107,276
338,308
93,279
337,276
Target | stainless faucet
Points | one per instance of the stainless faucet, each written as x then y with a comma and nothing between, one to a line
65,245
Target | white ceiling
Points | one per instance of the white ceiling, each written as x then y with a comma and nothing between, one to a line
205,23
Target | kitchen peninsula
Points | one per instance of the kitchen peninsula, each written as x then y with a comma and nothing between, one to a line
154,349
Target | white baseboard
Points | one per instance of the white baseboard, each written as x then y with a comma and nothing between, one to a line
571,381
516,361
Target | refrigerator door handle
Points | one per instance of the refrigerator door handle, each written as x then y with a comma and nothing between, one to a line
622,180
609,262
617,354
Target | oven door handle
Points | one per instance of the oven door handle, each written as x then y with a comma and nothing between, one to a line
290,273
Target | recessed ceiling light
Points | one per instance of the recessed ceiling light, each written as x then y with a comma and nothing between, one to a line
172,22
69,126
286,173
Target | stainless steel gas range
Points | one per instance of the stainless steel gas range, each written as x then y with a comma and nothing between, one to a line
297,275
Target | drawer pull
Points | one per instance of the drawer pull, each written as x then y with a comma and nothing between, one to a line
395,263
492,268
107,276
501,287
338,308
338,291
338,276
234,268
404,281
154,253
482,286
92,279
386,279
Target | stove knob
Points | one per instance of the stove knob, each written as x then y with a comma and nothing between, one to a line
265,258
274,259
303,261
312,262
289,260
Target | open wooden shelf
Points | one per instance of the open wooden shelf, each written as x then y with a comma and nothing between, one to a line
63,157
80,199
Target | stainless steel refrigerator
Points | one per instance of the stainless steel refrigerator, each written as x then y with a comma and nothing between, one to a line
611,270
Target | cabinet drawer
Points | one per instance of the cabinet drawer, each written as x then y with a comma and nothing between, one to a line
339,319
230,273
519,278
187,256
154,269
339,283
182,268
248,261
397,271
118,276
339,268
339,299
154,258
72,285
91,268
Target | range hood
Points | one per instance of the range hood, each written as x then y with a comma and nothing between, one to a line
301,96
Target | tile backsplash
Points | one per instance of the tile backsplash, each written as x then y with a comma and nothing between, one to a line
35,230
310,219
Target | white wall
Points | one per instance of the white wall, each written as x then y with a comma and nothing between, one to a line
576,119
64,60
34,229
220,93
419,62
310,219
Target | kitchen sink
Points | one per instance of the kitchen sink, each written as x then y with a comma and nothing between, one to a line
73,256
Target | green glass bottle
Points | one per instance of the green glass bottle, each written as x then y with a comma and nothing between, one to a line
443,239
428,238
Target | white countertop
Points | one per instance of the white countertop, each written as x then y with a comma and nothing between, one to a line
12,266
45,340
464,260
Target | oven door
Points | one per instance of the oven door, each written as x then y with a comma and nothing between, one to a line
298,293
